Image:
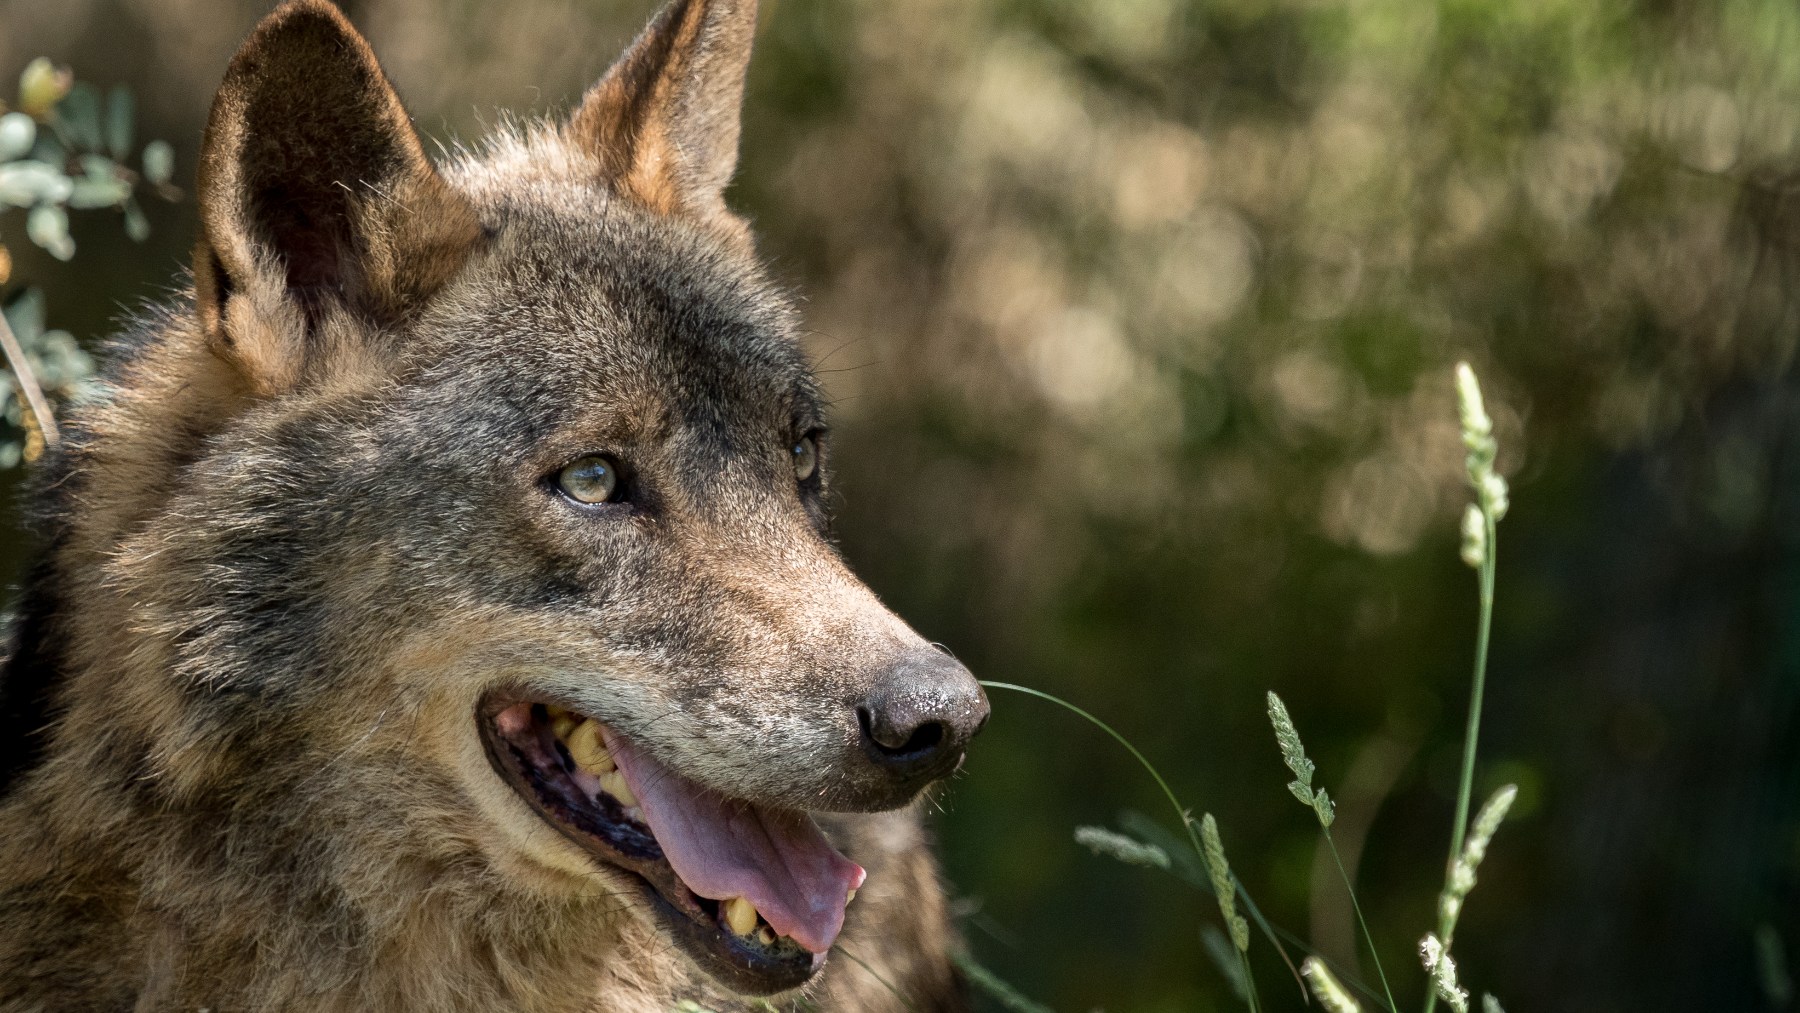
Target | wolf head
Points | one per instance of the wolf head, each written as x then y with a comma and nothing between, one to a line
493,498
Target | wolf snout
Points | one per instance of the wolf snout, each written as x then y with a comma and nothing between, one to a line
919,718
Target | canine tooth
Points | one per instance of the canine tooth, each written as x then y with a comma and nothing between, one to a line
765,936
740,915
588,751
613,783
850,896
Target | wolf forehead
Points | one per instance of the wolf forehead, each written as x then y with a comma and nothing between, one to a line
580,309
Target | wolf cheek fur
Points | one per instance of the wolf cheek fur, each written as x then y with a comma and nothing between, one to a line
331,695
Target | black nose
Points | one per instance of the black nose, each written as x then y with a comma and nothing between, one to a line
921,716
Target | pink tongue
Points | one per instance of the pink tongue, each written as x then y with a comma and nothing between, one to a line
723,848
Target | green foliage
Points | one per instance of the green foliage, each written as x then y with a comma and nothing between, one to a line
62,370
63,148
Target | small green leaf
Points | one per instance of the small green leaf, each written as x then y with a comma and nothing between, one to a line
48,149
26,316
79,115
28,183
159,162
48,226
136,225
89,192
17,133
120,109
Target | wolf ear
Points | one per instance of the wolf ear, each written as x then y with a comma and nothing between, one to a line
315,198
663,122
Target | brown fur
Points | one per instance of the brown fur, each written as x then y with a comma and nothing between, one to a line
303,534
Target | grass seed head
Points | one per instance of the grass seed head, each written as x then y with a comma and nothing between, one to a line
1478,438
1475,421
1293,753
1443,973
1326,988
1131,851
1481,834
1474,536
1220,871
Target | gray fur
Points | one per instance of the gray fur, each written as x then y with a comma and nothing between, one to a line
295,544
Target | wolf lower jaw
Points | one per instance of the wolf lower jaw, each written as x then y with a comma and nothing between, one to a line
562,765
80,930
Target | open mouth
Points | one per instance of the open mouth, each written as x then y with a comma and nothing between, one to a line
754,895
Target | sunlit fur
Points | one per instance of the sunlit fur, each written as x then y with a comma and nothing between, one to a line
295,542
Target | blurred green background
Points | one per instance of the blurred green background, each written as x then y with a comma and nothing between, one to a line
1139,318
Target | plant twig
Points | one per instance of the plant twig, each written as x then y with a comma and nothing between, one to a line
35,401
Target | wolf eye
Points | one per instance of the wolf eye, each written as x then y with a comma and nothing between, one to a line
806,458
590,479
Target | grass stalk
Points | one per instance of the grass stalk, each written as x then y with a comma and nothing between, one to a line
1465,789
1181,813
1480,545
1368,937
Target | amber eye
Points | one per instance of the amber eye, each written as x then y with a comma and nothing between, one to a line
806,458
590,479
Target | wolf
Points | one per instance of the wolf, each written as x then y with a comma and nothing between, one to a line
438,609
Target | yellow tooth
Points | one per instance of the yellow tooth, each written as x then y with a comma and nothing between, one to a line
613,783
765,936
588,750
562,722
740,914
848,897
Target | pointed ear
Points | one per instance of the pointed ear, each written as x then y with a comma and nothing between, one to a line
315,198
663,122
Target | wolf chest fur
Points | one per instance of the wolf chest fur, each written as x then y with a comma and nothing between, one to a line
439,611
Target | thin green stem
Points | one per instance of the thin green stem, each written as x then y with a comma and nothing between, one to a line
1368,937
1250,995
1466,787
1269,931
1187,822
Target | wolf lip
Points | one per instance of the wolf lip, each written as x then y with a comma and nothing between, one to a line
755,896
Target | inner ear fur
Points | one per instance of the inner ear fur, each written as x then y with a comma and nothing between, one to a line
662,125
315,197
